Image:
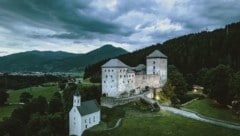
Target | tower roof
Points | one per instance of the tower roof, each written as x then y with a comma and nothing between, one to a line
156,54
114,63
77,93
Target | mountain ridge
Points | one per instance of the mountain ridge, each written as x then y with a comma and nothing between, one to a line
55,61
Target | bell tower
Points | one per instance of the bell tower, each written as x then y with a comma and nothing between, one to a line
77,99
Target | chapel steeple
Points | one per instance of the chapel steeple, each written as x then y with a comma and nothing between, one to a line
77,99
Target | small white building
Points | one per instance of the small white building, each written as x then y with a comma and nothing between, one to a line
83,115
118,77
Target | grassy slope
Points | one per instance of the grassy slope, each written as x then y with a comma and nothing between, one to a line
5,111
35,91
206,107
137,123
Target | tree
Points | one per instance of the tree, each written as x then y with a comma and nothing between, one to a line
219,79
177,81
235,86
12,127
168,89
25,97
3,97
39,105
55,104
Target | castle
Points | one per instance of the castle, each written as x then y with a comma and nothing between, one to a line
119,78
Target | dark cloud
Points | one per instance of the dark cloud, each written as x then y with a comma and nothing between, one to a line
48,24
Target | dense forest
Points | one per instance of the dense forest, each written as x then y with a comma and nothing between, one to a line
189,53
19,81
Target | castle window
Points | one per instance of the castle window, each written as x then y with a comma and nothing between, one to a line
104,81
154,62
112,70
120,70
112,80
153,67
105,70
106,76
111,76
109,70
90,120
74,118
85,121
120,76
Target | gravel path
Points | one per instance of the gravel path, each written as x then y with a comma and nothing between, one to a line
199,118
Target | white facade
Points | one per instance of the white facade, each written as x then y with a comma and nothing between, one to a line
118,78
83,116
158,66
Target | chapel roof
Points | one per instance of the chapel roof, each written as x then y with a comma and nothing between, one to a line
88,107
115,63
156,54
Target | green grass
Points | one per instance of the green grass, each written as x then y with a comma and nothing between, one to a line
164,124
35,91
207,108
6,111
137,123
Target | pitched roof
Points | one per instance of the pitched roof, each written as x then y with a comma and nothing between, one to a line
88,107
77,93
156,54
115,63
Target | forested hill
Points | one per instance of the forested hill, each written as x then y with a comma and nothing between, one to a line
48,61
192,52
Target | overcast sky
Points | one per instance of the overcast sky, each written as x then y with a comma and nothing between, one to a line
82,25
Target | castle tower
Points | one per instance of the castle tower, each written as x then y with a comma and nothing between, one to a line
157,65
77,99
114,78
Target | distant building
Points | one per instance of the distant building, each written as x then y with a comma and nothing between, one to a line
118,78
83,115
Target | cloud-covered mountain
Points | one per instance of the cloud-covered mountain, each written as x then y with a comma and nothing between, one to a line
48,61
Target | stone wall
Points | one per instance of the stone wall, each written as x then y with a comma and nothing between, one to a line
112,102
141,81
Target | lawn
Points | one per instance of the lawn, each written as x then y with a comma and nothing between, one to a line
5,111
137,123
47,92
208,108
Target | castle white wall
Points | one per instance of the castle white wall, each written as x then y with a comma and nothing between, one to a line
157,66
75,122
141,81
114,81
